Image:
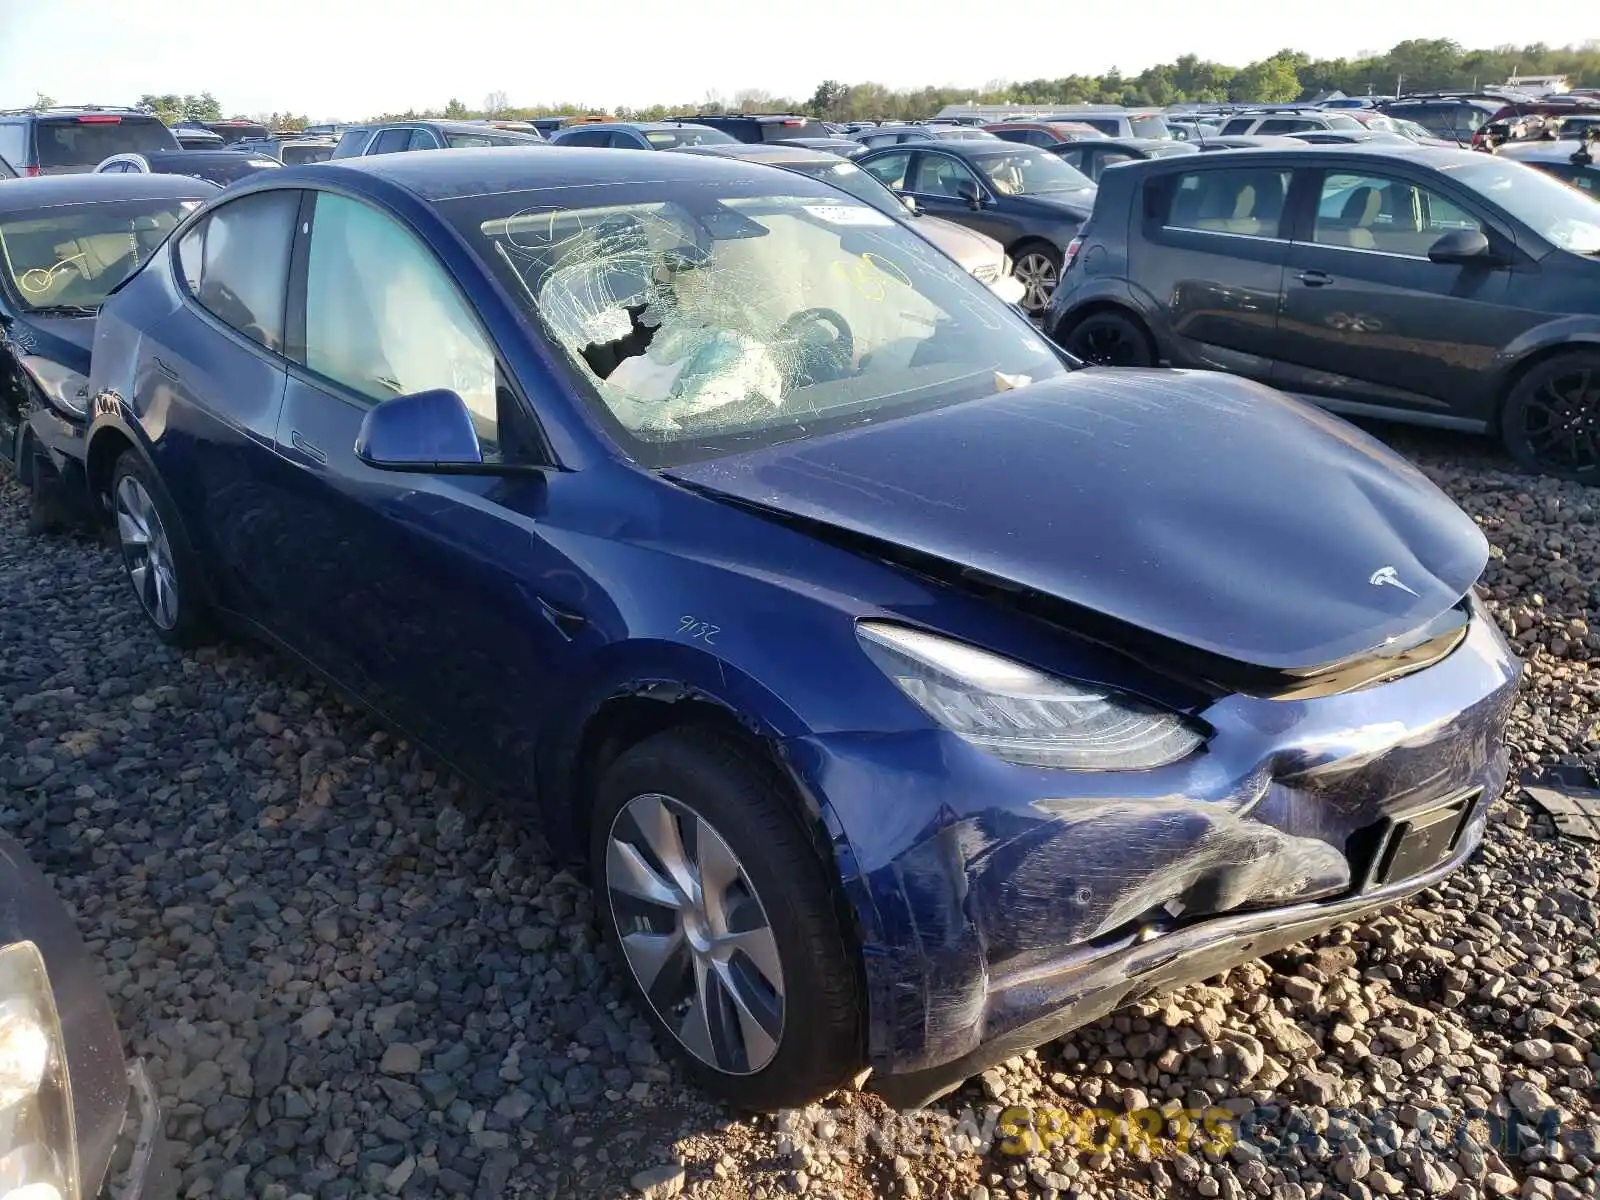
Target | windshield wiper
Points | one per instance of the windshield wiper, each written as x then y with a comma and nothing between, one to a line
66,310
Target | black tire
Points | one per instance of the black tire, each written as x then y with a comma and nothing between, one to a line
1551,420
711,778
1037,266
185,619
1109,338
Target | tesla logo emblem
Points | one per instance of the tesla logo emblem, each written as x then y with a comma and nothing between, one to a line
1386,577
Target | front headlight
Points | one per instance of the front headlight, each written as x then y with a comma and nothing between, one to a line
38,1143
64,386
1022,716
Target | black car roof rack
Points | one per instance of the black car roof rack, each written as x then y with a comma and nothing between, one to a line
31,110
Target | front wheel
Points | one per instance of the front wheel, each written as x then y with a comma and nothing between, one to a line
724,917
1037,267
1109,339
1551,420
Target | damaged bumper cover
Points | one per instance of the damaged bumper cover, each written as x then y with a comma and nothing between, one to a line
1002,906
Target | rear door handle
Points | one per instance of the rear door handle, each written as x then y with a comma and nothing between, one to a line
1315,278
309,449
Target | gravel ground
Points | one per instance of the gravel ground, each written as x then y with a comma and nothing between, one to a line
350,978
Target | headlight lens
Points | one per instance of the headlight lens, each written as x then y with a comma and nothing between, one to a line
63,385
1021,715
38,1143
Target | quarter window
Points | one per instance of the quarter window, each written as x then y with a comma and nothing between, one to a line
384,319
1376,212
1241,201
236,263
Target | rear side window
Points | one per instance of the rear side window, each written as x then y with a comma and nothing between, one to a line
587,137
1238,125
294,156
1240,200
77,142
1150,127
1288,125
236,263
1110,126
1338,122
352,143
390,141
422,139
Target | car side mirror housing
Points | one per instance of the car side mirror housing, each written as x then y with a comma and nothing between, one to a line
1461,246
908,200
971,193
428,431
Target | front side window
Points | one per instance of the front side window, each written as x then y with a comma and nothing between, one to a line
1288,125
1376,212
473,141
941,175
236,263
890,170
1238,125
1244,201
72,255
384,318
700,320
1150,127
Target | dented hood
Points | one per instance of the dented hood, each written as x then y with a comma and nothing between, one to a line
1195,506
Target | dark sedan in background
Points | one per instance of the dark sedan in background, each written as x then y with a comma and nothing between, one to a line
220,167
1026,199
1443,287
1092,157
642,135
909,692
66,241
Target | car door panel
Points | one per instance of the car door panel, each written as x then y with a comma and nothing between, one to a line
407,587
932,179
211,394
1214,254
1368,318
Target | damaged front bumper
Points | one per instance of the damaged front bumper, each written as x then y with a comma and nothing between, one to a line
1000,906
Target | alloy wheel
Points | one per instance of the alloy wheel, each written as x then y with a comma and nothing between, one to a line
1037,274
147,552
1104,346
694,934
1561,420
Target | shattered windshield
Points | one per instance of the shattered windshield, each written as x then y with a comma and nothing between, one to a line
705,323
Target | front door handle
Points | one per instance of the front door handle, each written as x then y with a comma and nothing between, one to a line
1315,278
309,449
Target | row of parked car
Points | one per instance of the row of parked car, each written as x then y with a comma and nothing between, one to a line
1007,650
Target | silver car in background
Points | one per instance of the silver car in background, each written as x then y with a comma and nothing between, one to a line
978,254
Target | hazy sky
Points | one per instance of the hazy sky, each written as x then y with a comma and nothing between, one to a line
339,58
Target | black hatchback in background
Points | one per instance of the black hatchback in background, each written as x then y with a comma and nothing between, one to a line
1441,287
68,140
760,127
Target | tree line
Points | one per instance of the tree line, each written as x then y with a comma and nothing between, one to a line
1421,64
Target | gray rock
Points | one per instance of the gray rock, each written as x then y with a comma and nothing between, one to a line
400,1058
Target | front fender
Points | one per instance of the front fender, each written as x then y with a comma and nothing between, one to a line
1578,332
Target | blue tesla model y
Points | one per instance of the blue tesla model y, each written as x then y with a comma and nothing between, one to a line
912,694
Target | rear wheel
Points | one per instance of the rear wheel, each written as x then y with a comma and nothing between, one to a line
1111,339
724,917
165,579
1037,266
1551,420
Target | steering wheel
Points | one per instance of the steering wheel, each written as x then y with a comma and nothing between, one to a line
820,361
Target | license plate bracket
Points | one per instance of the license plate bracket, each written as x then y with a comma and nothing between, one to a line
1415,842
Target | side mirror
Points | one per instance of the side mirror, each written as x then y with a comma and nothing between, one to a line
908,200
1461,246
425,431
971,193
